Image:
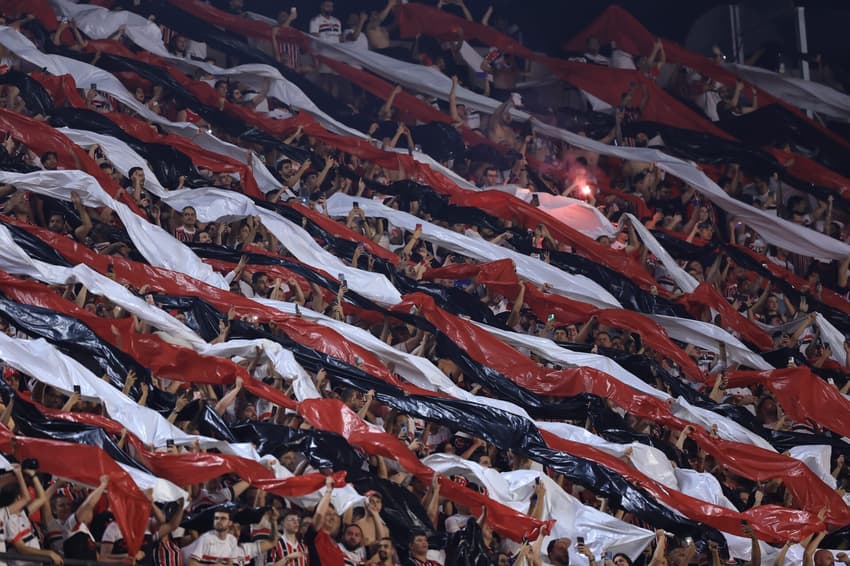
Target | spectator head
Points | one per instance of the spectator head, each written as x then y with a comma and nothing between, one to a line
326,8
559,551
236,93
260,283
56,223
291,521
386,550
284,167
136,175
622,560
352,398
204,238
352,537
766,411
311,179
492,177
190,217
61,507
9,494
603,340
560,334
139,94
249,412
221,88
177,45
419,544
50,161
222,520
332,523
376,501
772,304
823,557
705,230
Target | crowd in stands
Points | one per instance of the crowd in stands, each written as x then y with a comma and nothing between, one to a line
331,190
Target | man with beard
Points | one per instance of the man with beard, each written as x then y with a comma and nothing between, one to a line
352,548
386,555
217,546
56,222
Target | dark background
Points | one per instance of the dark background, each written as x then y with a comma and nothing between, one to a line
546,24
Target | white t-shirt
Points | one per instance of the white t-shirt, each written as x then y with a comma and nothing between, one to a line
360,43
210,549
112,534
19,528
326,29
71,527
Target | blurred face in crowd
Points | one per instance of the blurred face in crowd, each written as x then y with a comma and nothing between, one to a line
326,8
419,545
560,552
138,177
352,538
291,522
56,224
385,549
190,217
221,522
49,161
61,507
261,286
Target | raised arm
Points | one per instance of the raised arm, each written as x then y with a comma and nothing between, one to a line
85,512
85,222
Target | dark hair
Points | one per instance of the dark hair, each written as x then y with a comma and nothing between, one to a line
628,560
47,154
219,83
256,277
9,493
133,170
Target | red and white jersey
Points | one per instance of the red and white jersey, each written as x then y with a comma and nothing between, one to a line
210,548
19,529
184,234
285,547
326,29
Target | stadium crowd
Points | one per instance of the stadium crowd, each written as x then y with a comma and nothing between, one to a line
464,262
